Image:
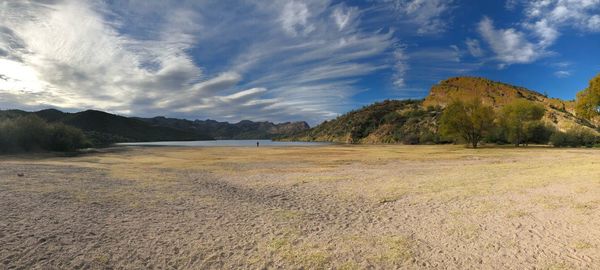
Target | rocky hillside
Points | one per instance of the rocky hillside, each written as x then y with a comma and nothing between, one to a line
417,121
390,121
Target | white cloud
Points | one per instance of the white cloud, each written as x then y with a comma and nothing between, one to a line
509,45
594,23
546,34
540,28
295,18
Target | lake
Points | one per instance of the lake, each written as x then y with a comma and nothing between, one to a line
237,143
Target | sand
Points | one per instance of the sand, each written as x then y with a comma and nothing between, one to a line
338,207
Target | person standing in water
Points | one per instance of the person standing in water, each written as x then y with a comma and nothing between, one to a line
257,144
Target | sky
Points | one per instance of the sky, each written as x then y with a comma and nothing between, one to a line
282,60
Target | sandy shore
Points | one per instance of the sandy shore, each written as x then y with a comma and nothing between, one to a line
342,207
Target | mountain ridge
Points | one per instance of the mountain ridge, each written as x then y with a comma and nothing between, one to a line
244,129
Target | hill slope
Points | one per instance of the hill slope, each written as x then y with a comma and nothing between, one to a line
413,121
390,121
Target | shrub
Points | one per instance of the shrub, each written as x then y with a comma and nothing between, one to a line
575,137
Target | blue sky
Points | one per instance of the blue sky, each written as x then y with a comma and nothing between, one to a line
283,60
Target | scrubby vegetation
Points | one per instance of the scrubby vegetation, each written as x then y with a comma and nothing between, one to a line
575,137
30,133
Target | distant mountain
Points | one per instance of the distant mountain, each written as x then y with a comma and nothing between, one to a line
223,130
416,121
105,128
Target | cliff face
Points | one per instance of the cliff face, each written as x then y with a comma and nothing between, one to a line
559,113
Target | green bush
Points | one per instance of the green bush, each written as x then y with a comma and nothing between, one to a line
31,133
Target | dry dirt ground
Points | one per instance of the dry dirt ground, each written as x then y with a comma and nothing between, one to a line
339,207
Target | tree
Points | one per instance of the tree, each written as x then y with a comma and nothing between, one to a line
519,119
470,121
588,101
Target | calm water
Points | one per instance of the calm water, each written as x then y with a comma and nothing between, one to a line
243,143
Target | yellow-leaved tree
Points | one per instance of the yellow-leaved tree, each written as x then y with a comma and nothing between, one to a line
588,100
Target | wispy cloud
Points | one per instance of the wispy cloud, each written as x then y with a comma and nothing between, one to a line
562,74
430,16
281,60
474,47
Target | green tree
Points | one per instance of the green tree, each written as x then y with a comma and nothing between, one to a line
470,121
519,119
588,101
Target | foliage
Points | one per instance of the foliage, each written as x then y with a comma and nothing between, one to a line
470,121
31,133
588,101
574,137
519,118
